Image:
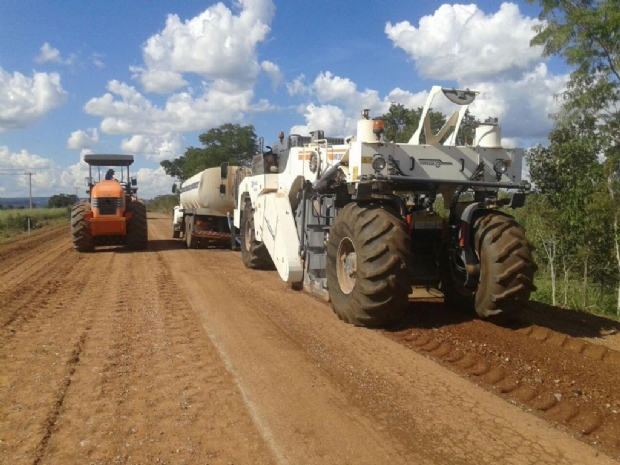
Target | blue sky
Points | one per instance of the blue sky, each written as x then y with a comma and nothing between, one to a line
146,77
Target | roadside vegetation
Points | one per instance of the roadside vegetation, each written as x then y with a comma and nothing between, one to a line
163,203
16,221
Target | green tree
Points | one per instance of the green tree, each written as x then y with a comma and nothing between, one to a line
61,200
228,143
585,34
570,178
401,123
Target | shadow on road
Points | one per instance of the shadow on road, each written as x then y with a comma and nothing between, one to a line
433,314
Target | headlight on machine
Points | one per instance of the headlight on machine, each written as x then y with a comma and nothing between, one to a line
378,163
500,167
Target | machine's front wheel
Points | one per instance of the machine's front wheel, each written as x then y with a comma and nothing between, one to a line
83,240
368,264
254,253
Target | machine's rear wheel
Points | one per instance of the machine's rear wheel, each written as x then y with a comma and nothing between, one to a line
506,269
137,227
254,253
368,262
83,240
190,240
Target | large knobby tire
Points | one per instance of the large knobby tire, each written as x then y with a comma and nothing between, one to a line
368,266
506,270
137,227
254,253
83,240
506,266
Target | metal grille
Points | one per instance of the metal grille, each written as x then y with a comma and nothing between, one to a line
107,205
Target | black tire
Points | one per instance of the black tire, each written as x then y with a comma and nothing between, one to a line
83,240
254,253
233,239
376,293
190,241
506,269
137,227
175,233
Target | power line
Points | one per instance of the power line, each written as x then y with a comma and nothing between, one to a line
27,173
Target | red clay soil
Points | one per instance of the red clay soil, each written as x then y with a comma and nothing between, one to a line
177,356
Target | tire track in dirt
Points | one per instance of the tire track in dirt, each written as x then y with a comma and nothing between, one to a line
150,387
565,380
26,298
15,252
40,354
50,422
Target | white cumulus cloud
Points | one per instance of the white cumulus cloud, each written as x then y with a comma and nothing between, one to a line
522,105
157,148
460,42
217,44
83,139
126,111
339,103
24,100
50,54
274,73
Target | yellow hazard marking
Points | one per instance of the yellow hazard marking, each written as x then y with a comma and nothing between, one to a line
367,160
355,173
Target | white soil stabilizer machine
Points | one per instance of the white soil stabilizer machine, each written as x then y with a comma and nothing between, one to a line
207,201
353,221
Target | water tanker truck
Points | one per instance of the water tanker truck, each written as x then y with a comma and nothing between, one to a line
353,221
203,217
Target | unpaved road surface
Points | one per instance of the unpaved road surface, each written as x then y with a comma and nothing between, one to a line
183,356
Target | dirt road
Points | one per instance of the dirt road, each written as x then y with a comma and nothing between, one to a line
184,356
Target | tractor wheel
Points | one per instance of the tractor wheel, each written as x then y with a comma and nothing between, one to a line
506,269
254,253
83,240
368,264
137,228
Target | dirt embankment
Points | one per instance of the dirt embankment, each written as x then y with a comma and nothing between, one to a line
184,356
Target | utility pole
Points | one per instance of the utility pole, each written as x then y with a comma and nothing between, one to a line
29,174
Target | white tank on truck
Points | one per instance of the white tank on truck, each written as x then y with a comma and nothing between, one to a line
353,221
203,217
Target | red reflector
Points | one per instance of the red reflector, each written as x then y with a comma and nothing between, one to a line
462,236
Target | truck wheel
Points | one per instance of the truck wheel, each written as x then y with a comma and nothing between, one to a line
137,227
368,262
190,240
254,253
83,240
506,269
175,233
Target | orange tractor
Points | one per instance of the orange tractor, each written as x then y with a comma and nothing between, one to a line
113,215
